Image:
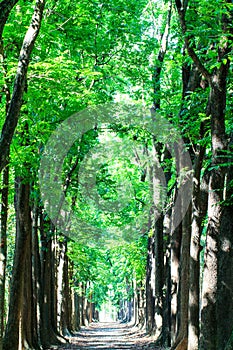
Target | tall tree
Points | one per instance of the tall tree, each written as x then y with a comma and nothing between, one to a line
3,247
225,266
23,229
217,80
13,111
155,259
4,222
191,82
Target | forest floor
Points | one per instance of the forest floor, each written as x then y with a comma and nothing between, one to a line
107,336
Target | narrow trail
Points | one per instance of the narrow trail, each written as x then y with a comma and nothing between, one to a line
109,336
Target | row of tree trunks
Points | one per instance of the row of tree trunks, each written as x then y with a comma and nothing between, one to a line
43,310
214,267
17,334
156,271
184,264
189,265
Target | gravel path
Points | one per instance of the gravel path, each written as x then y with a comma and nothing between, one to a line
107,336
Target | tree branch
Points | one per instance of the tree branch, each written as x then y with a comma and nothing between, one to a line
5,9
187,38
160,59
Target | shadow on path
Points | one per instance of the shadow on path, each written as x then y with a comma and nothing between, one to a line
109,336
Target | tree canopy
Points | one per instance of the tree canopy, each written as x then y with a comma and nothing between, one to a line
116,169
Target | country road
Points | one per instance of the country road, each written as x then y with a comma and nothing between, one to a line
106,336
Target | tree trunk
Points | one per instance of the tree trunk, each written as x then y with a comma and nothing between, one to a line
183,292
4,190
216,110
191,79
141,297
225,267
48,331
199,210
150,285
135,302
73,301
175,263
217,105
23,232
36,276
27,324
167,282
66,297
60,283
30,330
3,247
76,311
159,279
155,259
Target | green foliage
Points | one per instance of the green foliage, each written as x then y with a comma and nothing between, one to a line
106,185
112,269
206,31
89,53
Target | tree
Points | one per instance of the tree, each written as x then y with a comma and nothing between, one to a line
216,77
3,247
20,81
11,338
225,256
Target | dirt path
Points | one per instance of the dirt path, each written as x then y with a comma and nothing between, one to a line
106,336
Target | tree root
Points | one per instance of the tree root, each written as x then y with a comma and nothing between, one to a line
181,343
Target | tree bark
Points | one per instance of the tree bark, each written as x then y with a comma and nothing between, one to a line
159,279
191,81
36,276
30,313
4,210
217,105
60,282
76,311
225,266
167,281
27,323
150,285
66,322
48,332
199,210
175,263
141,306
3,247
23,232
183,292
155,259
